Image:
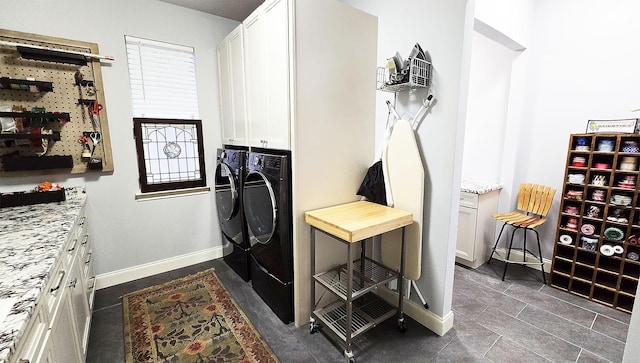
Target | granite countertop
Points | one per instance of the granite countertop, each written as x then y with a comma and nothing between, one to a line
478,186
31,242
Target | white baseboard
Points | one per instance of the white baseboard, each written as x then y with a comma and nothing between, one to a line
517,255
433,322
152,268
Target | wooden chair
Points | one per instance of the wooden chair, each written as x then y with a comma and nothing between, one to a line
534,202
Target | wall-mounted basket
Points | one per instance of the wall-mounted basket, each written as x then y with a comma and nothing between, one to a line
419,77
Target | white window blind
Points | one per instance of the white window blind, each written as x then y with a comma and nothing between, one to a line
163,79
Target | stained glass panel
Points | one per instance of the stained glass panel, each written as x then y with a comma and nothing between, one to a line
172,153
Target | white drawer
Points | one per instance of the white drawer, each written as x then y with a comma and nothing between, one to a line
469,200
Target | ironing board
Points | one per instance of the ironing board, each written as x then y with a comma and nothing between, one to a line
405,178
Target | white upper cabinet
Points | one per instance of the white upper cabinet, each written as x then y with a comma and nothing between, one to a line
231,75
267,72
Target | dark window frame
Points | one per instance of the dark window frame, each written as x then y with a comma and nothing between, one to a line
145,187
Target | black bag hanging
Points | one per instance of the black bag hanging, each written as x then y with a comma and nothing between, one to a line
372,187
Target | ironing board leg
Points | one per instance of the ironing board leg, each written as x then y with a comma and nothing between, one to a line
415,286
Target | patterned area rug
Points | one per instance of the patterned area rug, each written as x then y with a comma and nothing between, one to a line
192,319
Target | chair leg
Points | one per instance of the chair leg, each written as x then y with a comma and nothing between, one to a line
544,278
524,245
493,250
506,264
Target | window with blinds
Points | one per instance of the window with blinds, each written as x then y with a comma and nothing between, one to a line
164,101
163,79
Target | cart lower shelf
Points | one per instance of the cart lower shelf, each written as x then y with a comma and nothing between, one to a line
367,275
368,311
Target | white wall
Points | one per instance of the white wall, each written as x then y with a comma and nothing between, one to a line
583,66
488,103
502,32
438,26
126,233
509,17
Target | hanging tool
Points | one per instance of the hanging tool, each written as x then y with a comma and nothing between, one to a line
95,138
415,120
78,77
95,114
86,149
427,103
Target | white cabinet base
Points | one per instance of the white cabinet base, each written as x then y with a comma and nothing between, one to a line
476,227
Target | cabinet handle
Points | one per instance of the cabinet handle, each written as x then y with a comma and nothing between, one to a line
88,259
62,273
86,239
82,221
73,247
73,282
22,360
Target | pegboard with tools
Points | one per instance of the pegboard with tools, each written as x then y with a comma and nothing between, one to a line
52,106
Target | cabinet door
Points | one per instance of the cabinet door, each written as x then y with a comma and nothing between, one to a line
46,355
254,51
276,61
89,280
224,83
64,347
266,44
82,315
465,246
236,71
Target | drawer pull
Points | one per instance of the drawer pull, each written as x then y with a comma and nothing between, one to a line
24,361
82,221
73,247
88,259
73,282
86,239
62,273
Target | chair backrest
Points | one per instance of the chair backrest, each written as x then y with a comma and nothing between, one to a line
535,198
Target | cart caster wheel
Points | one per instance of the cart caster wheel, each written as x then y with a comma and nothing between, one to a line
350,357
313,327
401,325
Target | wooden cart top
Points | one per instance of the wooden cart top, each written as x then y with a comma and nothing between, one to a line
353,222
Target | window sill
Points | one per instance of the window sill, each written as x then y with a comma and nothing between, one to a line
171,193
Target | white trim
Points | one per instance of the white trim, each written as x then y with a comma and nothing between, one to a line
171,193
152,268
431,321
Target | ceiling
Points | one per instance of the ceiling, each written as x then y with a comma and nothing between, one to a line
230,9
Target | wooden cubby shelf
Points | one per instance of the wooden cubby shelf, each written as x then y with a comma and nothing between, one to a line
597,248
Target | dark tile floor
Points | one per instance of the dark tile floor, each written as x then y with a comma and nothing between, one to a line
516,320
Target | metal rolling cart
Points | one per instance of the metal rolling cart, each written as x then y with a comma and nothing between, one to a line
356,308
